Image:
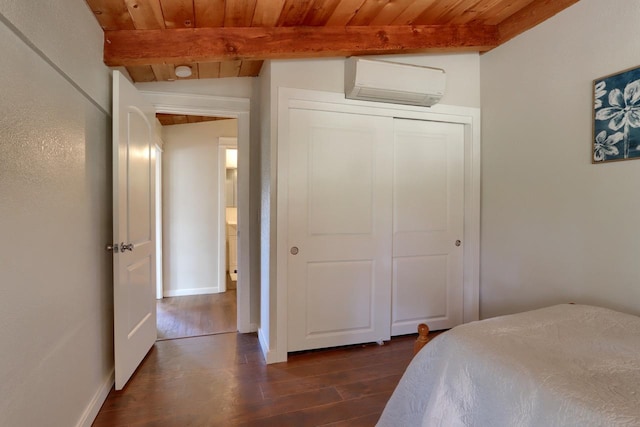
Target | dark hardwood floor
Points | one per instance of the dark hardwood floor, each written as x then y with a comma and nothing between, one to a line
191,316
222,380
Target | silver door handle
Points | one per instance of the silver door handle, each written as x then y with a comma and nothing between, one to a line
294,250
128,247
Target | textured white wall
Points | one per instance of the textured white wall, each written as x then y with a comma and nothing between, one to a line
56,300
556,228
70,38
190,211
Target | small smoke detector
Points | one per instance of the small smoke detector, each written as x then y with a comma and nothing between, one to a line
183,71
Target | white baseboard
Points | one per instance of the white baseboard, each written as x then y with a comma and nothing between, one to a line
269,356
247,329
264,346
90,413
191,291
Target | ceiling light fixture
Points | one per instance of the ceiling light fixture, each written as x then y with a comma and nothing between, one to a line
183,71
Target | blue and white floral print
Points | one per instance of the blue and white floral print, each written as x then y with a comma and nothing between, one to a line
617,117
606,145
600,92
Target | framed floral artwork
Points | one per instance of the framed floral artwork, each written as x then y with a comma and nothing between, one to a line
616,117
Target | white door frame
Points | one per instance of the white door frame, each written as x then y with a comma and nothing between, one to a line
159,264
329,101
223,144
237,108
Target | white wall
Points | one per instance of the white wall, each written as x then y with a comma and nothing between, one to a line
463,89
56,299
463,74
255,196
191,206
556,228
267,201
76,55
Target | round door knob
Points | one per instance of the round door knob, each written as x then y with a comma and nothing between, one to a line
458,242
112,248
294,250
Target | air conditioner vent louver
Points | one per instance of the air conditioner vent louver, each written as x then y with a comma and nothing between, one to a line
382,81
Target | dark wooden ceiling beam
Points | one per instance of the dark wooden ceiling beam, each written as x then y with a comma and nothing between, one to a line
188,45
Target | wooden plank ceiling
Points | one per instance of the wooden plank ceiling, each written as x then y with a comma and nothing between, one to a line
231,38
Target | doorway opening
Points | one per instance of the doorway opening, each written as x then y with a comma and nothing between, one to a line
197,207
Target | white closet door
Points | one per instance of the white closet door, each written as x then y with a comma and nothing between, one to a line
428,214
339,263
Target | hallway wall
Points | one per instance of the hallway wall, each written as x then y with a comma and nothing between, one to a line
191,206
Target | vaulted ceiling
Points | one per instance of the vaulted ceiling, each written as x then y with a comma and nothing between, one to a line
230,38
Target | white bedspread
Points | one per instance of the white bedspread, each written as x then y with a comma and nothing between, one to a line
566,365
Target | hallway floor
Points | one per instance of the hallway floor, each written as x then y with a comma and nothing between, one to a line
222,380
192,316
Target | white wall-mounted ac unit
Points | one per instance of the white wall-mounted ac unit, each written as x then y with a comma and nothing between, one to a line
383,81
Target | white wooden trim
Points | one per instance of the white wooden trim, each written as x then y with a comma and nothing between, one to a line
201,105
222,213
206,105
223,143
159,258
192,291
472,177
329,101
228,141
264,344
91,412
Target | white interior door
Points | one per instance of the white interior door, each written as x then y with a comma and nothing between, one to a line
428,215
133,228
339,265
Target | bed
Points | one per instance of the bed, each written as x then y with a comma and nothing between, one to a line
565,365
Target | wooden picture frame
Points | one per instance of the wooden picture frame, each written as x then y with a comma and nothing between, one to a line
616,117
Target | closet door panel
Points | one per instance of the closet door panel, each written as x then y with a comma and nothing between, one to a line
428,209
339,231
